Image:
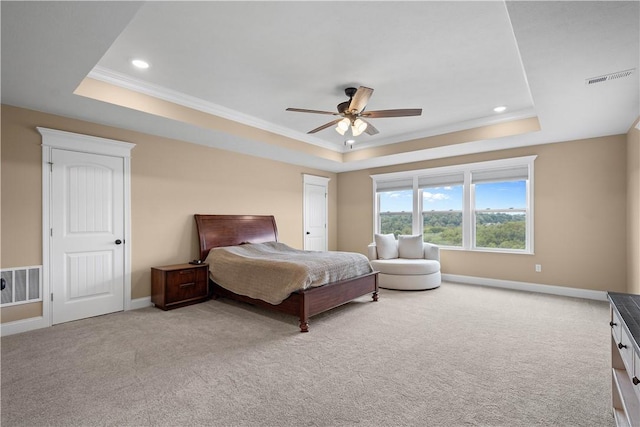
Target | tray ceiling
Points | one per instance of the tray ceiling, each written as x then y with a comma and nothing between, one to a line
223,73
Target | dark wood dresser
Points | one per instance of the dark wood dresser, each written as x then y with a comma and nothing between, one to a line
174,286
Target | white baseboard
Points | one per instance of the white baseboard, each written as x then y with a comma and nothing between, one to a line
530,287
24,325
33,323
140,303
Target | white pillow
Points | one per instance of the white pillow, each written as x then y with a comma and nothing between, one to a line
410,246
386,245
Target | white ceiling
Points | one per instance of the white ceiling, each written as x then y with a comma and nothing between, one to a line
249,61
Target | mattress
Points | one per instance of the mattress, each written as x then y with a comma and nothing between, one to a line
271,271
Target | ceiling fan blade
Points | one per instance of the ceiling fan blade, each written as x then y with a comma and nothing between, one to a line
335,122
360,99
371,129
303,110
405,112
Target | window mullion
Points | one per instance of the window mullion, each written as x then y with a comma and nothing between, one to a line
529,215
467,213
417,208
376,219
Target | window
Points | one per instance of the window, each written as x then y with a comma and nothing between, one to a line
500,208
442,209
484,206
395,205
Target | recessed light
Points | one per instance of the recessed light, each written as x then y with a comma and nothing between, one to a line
500,109
139,63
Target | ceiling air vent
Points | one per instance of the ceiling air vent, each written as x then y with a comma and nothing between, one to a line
611,76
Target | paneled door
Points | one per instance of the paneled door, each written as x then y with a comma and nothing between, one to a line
87,235
315,213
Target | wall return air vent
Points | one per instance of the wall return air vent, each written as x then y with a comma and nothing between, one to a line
608,77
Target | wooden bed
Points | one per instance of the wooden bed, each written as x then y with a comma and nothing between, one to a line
229,230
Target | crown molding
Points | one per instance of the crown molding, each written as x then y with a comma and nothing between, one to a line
451,128
127,82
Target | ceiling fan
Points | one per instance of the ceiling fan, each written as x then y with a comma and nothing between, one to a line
352,113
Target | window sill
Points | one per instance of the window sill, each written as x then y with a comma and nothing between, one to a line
487,250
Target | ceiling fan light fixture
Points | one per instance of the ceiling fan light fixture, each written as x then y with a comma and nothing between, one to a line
500,109
343,126
358,127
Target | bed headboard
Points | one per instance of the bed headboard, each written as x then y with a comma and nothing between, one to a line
230,230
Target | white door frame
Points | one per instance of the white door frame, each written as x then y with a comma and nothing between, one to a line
57,139
323,182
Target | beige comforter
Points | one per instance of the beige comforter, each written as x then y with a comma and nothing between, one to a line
272,271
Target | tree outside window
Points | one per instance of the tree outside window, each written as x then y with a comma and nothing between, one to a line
396,211
501,214
442,215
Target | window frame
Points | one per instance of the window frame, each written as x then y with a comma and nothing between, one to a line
468,203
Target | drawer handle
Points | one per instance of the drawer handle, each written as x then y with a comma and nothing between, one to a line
621,346
635,380
186,271
612,324
184,285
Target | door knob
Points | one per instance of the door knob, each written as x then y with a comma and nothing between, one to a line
308,232
118,241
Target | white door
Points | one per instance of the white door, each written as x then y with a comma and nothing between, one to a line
87,235
315,216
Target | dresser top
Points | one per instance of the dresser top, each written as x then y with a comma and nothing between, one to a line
628,306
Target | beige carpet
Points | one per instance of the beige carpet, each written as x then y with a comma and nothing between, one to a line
455,356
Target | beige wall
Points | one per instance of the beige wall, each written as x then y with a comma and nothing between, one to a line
586,205
633,210
580,216
170,181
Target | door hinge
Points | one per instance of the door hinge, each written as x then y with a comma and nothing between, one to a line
51,296
50,166
51,232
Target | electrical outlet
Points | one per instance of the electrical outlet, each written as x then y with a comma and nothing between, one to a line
538,268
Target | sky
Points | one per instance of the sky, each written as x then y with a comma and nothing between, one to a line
499,195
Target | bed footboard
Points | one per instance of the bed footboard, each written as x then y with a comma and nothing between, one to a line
310,302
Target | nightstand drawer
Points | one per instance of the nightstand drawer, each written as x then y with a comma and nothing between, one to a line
186,284
174,286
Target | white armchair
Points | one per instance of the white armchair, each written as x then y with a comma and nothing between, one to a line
406,263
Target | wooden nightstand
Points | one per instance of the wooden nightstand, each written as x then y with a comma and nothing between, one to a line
174,286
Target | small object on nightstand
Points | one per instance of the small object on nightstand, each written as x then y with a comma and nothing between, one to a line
195,262
174,286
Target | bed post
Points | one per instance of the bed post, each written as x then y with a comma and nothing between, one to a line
375,292
304,313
